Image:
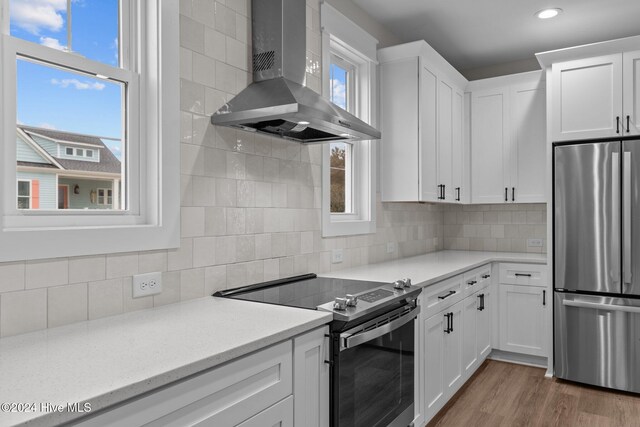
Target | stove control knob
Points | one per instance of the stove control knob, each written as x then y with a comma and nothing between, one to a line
352,300
407,282
340,304
398,284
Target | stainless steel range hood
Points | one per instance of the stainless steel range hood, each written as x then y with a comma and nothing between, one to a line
278,103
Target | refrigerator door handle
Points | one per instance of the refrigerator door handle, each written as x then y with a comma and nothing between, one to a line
598,306
626,218
615,218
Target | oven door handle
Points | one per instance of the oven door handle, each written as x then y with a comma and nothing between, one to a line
350,341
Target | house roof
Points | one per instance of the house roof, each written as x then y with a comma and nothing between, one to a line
108,162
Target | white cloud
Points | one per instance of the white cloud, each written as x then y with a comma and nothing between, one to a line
338,93
51,42
47,126
37,15
77,84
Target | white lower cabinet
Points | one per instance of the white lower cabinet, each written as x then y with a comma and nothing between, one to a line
484,315
311,379
523,314
454,343
279,415
255,390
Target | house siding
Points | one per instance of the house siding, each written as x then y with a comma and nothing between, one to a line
24,153
49,146
47,187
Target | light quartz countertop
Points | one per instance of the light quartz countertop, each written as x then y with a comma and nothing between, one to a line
109,360
424,270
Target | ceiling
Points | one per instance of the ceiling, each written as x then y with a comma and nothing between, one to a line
472,34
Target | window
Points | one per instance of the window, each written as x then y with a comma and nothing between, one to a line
105,196
24,194
76,72
348,182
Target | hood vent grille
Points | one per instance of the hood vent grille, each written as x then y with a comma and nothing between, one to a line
264,61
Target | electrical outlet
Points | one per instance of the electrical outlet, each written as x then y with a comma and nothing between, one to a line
337,256
147,284
534,243
391,247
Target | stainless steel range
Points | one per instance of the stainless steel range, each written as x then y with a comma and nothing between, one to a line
372,342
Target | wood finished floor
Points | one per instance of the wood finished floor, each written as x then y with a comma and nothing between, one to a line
505,394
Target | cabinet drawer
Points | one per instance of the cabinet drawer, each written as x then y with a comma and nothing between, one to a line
280,414
227,395
442,295
477,279
523,274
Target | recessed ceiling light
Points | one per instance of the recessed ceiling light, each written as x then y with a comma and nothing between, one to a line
548,13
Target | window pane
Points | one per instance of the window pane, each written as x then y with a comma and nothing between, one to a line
94,30
339,84
340,174
40,21
24,188
94,26
56,107
69,151
89,153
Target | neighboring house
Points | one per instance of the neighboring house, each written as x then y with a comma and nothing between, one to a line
63,170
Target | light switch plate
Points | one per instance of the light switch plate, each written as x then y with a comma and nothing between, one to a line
534,243
337,256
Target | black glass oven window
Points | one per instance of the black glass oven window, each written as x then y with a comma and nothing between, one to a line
376,379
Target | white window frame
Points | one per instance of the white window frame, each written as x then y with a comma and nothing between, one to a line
344,39
152,220
18,181
105,197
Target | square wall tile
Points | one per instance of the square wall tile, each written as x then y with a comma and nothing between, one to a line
105,298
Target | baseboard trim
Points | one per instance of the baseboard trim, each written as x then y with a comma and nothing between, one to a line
517,358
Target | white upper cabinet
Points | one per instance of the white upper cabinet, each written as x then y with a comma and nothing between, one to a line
508,139
422,111
631,92
587,101
489,145
528,136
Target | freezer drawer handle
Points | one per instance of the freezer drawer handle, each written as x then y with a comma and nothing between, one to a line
523,275
598,306
447,295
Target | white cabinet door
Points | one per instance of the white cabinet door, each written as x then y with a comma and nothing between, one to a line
631,94
484,316
445,138
279,415
311,379
489,145
453,370
587,98
523,319
469,331
528,142
225,396
428,154
457,146
400,90
433,349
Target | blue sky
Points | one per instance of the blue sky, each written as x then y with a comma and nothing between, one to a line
338,80
52,98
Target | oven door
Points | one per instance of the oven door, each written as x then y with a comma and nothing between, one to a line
373,372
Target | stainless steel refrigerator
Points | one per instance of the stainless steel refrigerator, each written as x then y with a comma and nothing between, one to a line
596,231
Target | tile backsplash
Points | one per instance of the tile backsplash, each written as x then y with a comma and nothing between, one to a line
250,204
495,227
